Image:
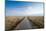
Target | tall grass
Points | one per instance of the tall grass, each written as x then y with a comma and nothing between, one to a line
11,21
37,20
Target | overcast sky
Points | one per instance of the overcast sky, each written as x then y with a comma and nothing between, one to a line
15,8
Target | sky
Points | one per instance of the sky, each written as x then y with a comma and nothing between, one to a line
21,8
28,0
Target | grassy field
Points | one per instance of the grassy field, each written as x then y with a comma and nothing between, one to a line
11,21
37,20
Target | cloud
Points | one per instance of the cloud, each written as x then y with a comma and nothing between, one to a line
14,12
37,0
33,11
28,11
28,0
19,0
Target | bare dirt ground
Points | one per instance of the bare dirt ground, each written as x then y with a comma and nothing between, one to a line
24,22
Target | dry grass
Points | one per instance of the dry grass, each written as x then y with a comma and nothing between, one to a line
11,21
37,20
